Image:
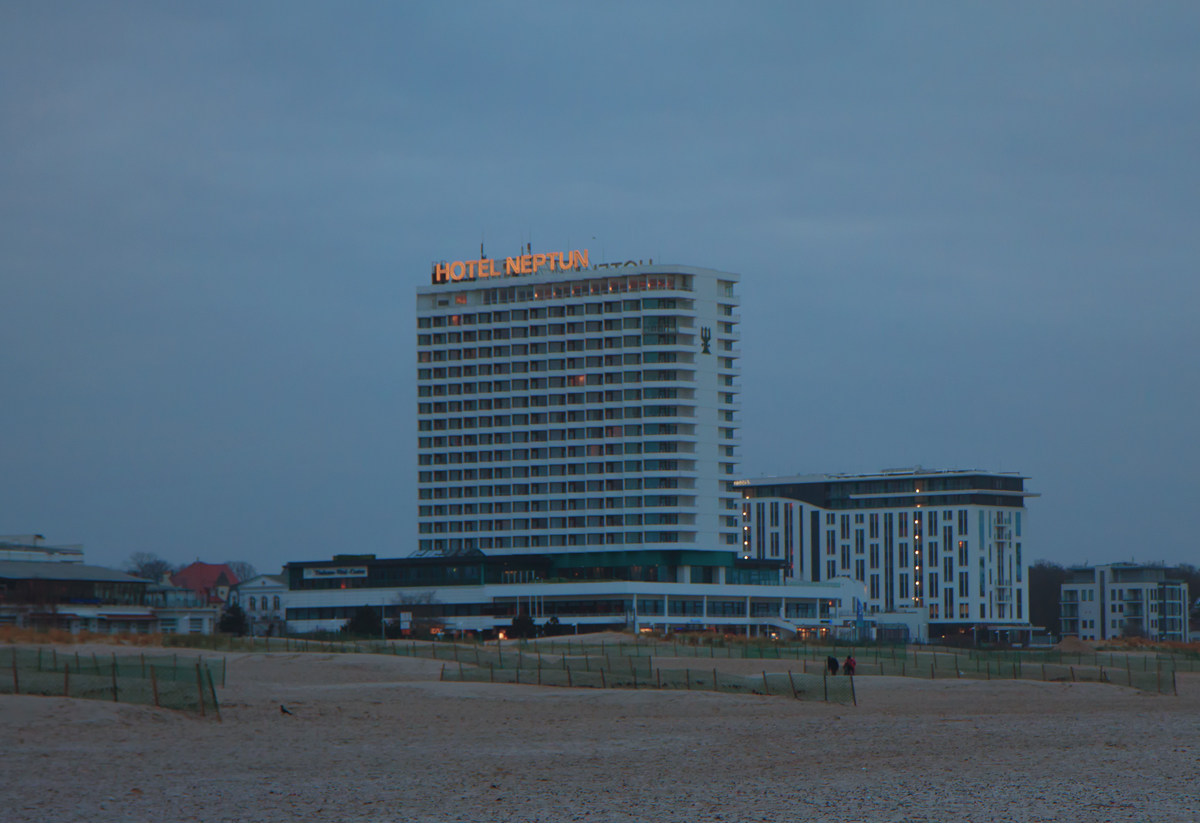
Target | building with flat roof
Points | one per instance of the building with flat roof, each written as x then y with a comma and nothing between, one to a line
73,597
1123,599
950,544
577,435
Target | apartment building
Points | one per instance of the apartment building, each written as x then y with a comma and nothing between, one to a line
1099,602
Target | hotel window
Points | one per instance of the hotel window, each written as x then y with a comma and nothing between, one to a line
830,542
902,528
904,586
904,555
860,570
874,555
874,524
845,524
846,556
830,569
860,541
858,518
774,544
874,587
251,604
830,519
775,514
962,521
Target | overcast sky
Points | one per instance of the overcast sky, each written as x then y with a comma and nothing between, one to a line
967,234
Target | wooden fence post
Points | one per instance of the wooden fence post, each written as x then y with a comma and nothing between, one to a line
16,682
825,682
603,682
766,686
153,684
853,693
442,673
688,673
114,678
67,680
200,691
792,683
715,680
213,691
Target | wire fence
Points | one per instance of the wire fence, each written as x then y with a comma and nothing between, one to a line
187,684
795,685
716,649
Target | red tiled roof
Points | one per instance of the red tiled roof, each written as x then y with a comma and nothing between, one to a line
203,577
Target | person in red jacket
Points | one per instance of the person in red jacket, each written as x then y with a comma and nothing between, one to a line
849,665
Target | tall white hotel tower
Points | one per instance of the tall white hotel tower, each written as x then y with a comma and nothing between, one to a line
565,409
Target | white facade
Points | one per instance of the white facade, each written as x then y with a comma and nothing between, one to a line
1099,602
952,544
264,600
578,410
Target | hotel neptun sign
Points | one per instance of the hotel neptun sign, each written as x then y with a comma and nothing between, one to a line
461,270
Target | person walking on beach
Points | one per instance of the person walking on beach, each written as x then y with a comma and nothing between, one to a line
849,666
832,663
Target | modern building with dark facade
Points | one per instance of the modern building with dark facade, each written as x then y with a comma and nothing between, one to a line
951,544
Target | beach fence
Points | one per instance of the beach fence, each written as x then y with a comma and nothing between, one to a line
794,685
181,682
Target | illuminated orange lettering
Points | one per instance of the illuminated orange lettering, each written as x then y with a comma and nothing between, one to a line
461,270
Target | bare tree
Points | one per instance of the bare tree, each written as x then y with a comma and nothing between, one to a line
148,565
242,569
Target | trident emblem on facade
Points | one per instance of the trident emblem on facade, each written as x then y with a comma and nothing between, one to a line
705,339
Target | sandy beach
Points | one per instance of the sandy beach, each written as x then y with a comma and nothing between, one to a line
379,738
